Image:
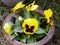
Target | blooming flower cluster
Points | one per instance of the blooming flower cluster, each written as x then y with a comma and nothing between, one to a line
29,25
30,7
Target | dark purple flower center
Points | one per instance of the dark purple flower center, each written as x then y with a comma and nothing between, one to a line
29,29
30,5
26,26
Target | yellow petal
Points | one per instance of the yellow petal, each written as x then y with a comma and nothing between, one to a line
52,23
32,7
48,20
9,31
48,13
7,28
33,2
18,6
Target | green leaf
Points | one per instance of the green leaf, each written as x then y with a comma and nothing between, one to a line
27,36
31,40
10,23
18,29
15,16
12,37
17,22
16,33
38,36
23,40
13,26
47,28
26,13
35,14
40,31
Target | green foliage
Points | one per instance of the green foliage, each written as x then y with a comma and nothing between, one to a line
17,22
12,37
18,29
26,13
40,31
16,16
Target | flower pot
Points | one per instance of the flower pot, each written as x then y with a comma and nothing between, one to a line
11,2
41,42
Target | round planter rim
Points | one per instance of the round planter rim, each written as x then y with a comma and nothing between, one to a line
41,42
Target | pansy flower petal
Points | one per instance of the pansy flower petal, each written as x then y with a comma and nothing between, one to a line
48,13
18,6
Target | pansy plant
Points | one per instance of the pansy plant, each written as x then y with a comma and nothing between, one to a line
32,7
26,27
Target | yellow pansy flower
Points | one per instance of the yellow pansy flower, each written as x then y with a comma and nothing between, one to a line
18,6
32,7
7,28
30,25
48,13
